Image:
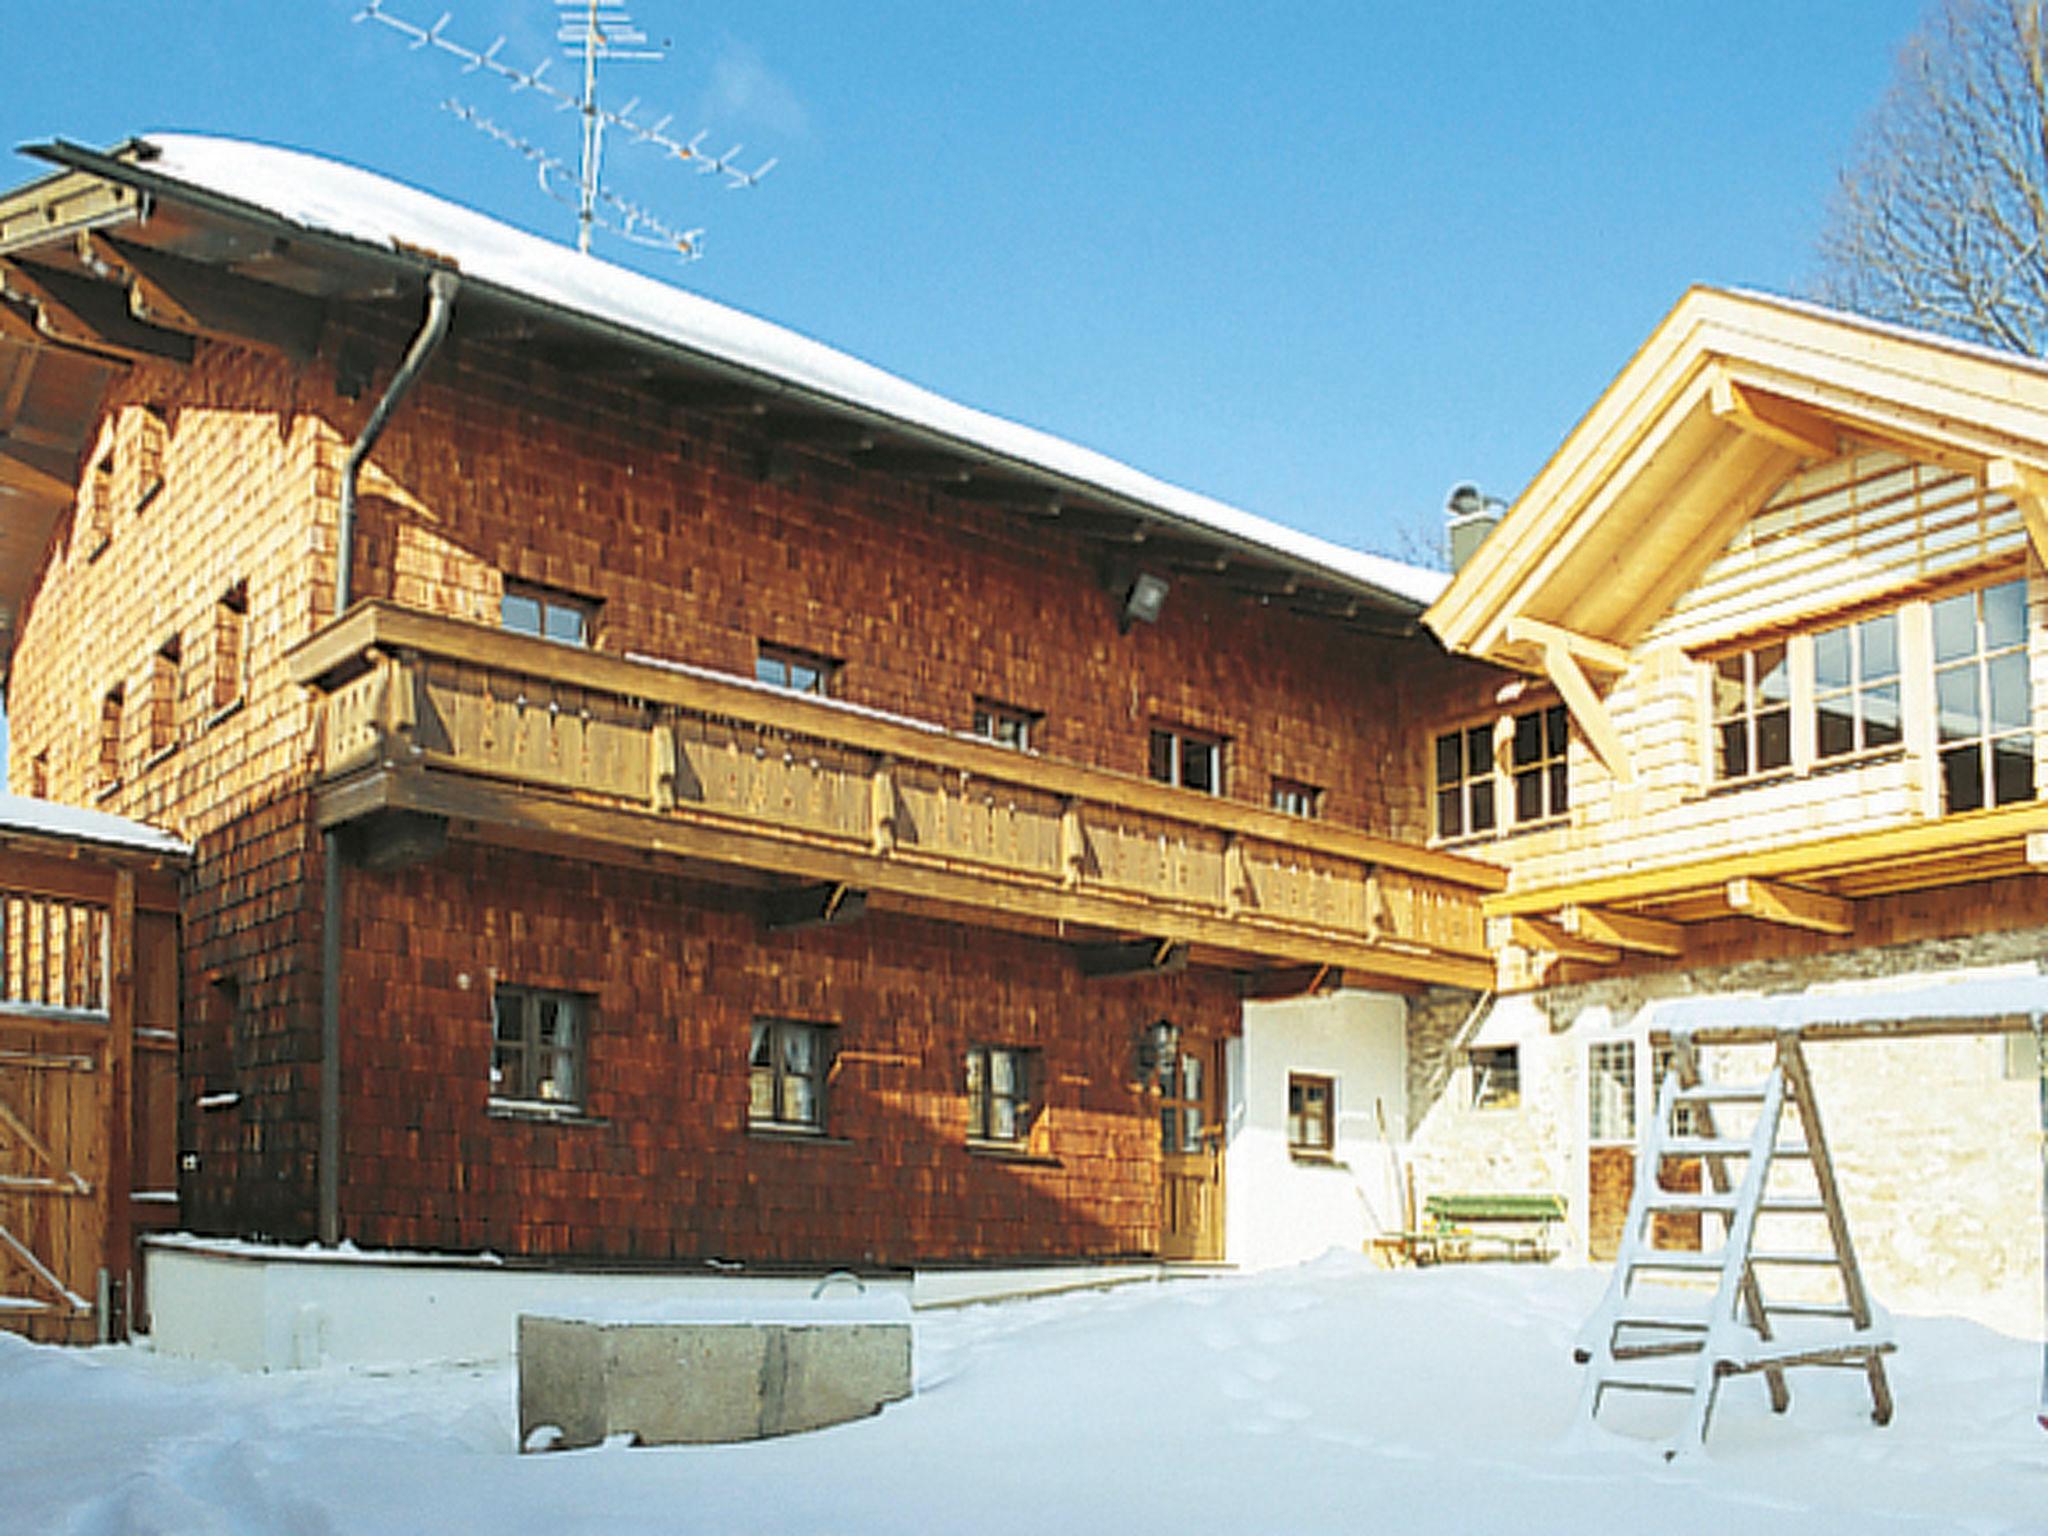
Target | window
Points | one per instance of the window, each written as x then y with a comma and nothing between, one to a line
789,1065
2022,1056
1856,687
1297,799
1311,1115
1496,1077
537,1042
1186,760
111,710
163,696
798,671
1982,699
230,625
531,610
1685,1121
1005,724
999,1089
1752,712
1464,782
1537,757
1611,1090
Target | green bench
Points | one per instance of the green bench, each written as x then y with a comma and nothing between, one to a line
1454,1228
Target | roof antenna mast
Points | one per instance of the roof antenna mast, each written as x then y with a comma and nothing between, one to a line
590,32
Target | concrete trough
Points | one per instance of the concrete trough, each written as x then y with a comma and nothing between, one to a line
709,1380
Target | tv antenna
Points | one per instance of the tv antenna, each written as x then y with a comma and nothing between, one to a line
590,33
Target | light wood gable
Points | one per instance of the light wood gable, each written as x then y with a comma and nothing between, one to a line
1762,472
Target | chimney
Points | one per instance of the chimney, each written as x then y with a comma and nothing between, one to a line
1471,515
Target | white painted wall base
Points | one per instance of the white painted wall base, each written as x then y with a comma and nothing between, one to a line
1281,1208
262,1307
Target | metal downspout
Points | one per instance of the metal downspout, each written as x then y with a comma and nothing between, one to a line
441,287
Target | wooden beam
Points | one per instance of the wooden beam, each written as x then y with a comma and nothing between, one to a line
934,464
1137,957
828,904
42,471
1623,930
2027,486
1791,906
79,312
1598,654
826,434
1013,496
175,294
1538,936
1292,981
1775,419
710,396
1589,709
118,1187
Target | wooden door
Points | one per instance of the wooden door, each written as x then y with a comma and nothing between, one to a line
1188,1081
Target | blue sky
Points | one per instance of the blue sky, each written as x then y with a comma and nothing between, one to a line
1319,260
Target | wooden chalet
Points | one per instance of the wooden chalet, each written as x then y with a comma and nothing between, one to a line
662,790
1777,605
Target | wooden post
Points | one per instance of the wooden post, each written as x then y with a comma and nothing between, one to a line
118,1182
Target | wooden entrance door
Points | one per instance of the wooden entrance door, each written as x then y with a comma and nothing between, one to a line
1188,1079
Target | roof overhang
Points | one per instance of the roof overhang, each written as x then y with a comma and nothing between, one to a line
112,259
1730,395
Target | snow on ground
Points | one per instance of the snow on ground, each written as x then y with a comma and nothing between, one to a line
1328,1398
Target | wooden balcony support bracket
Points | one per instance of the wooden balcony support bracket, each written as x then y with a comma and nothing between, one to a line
883,807
812,906
1539,937
1791,906
1565,657
1238,892
1136,957
2027,485
661,767
78,312
1073,846
175,294
1622,930
1775,419
397,709
1294,981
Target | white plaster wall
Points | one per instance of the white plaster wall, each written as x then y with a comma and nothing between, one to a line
1283,1210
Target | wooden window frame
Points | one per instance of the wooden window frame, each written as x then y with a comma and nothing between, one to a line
230,660
527,1067
1168,758
1006,725
1504,761
1739,708
1308,1119
1539,763
1611,1120
1981,665
793,664
990,1106
1858,696
1473,789
550,604
771,1110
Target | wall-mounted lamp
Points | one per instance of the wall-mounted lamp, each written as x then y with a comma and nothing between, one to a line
1143,602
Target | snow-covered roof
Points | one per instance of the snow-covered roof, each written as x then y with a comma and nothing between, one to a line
46,818
340,200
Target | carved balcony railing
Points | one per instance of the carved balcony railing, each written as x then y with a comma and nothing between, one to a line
517,739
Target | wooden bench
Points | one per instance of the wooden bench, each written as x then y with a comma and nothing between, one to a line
1526,1228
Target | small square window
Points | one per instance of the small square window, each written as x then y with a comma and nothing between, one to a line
789,1065
529,610
1496,1077
537,1044
1297,799
1001,1084
799,671
1311,1115
1006,725
1187,760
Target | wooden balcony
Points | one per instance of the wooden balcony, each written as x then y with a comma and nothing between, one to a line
515,740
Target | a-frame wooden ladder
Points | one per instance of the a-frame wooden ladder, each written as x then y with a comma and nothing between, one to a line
1669,1336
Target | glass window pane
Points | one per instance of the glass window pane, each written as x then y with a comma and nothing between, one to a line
1734,749
1878,639
761,1095
1881,716
1831,659
771,670
797,1049
1557,727
2005,614
1003,1120
1773,740
1731,693
1198,766
1169,1130
1449,758
804,678
1962,778
1528,738
758,1053
1191,1129
1191,1076
560,1084
1955,698
1529,796
1162,756
977,1071
1773,677
511,1016
1955,627
1560,789
2010,702
799,1100
1835,727
517,611
1450,813
564,623
505,1069
1479,751
1002,1072
2012,769
1482,806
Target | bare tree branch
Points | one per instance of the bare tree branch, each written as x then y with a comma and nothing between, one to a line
1941,218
